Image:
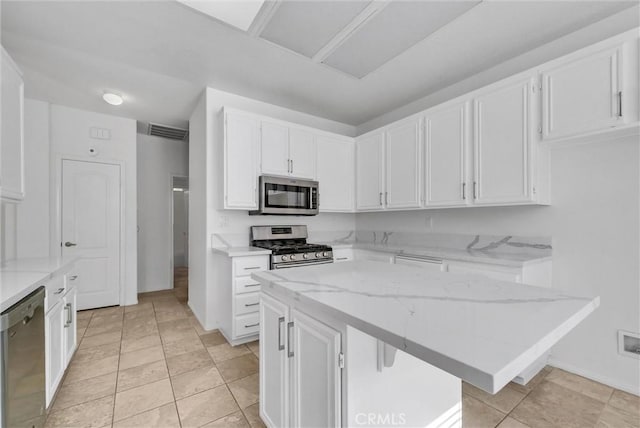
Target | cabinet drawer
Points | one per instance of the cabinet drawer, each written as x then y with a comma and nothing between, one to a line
342,255
56,288
247,324
245,284
244,266
500,275
247,303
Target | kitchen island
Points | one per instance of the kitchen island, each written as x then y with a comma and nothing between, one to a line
329,336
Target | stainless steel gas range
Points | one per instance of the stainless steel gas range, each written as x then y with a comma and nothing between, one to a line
289,247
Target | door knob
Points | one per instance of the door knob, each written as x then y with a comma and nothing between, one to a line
70,244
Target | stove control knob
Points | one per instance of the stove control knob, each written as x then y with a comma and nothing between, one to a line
325,254
305,256
318,255
284,258
292,256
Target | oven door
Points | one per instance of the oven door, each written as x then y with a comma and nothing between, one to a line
287,196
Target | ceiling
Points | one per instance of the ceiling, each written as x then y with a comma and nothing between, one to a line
325,58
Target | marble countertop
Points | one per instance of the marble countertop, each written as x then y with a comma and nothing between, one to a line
474,256
481,330
241,251
20,277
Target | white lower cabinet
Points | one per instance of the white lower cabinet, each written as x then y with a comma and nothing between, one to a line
60,330
300,371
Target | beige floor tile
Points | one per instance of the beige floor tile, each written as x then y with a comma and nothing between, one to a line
98,319
476,414
140,307
161,417
130,345
81,370
625,401
181,324
97,352
237,368
200,330
139,315
100,339
246,390
142,375
182,346
146,397
96,413
190,361
80,333
234,420
505,400
195,381
84,315
580,384
553,405
509,422
252,413
87,390
102,328
163,316
140,357
226,352
254,347
612,417
205,407
112,310
82,323
212,339
140,329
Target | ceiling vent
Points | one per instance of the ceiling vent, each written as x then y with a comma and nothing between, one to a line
167,131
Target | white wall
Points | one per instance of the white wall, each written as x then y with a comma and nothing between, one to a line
33,226
594,221
70,137
158,160
208,147
8,231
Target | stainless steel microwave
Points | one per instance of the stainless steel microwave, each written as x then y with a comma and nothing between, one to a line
286,196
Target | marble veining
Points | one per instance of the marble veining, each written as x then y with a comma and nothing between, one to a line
481,330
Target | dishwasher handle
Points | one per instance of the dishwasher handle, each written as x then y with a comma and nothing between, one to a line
23,311
425,259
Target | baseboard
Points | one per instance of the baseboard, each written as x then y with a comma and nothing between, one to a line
627,387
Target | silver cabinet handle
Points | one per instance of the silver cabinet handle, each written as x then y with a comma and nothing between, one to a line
380,198
67,308
619,103
464,191
289,334
251,285
280,344
70,244
251,325
291,166
73,277
60,290
252,268
386,198
247,305
474,190
342,258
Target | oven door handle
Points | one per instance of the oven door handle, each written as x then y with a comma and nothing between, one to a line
292,265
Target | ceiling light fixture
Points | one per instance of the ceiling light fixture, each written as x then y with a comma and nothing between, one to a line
113,99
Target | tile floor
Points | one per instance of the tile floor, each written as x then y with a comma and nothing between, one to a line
152,364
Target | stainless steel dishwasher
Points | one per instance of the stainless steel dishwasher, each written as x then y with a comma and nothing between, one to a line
23,363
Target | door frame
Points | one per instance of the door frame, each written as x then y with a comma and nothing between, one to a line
55,203
172,175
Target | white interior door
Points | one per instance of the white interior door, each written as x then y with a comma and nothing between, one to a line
91,229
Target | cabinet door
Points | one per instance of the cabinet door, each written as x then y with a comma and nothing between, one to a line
444,159
502,120
403,165
54,348
274,149
302,152
12,130
582,95
336,177
315,374
369,172
242,135
70,324
274,362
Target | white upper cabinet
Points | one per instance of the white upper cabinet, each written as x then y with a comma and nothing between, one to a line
445,141
336,175
302,153
287,151
502,139
12,130
241,145
584,94
403,172
369,174
274,149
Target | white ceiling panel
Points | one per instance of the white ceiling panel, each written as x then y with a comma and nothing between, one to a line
306,26
392,31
